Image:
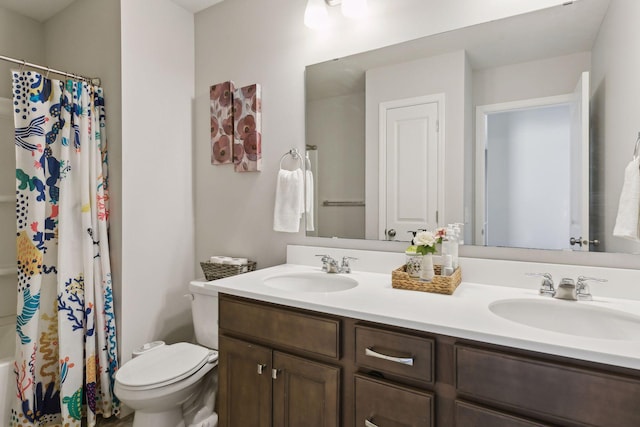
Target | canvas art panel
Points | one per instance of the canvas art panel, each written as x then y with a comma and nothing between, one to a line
247,113
221,99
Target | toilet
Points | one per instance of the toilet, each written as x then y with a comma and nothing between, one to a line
175,385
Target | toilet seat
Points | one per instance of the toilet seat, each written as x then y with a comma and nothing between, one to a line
164,366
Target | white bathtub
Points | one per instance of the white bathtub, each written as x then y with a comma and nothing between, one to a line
7,378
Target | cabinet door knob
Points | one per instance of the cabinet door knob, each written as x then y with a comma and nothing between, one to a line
261,367
368,423
403,360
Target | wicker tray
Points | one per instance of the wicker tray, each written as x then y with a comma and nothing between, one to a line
218,271
439,284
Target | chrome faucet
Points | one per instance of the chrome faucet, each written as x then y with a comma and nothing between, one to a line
330,265
546,286
568,290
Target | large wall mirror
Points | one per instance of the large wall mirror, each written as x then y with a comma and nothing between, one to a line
518,128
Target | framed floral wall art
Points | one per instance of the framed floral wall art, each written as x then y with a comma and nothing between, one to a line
221,99
247,114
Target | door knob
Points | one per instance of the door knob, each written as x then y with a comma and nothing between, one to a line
580,242
391,233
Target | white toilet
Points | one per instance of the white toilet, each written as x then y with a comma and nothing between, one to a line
168,385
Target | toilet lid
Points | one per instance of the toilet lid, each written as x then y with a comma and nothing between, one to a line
163,366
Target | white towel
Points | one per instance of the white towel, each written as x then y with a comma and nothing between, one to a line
308,206
628,219
290,204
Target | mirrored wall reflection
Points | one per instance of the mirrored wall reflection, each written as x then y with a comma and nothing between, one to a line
483,74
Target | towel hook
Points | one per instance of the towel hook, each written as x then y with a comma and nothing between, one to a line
636,151
294,153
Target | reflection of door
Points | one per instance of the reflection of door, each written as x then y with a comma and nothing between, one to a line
579,167
526,197
410,155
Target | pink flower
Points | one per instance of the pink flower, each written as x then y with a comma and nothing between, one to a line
249,91
225,96
227,125
215,91
237,108
256,104
214,127
238,153
245,126
222,150
252,145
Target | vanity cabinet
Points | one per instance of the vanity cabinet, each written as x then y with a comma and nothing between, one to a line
282,366
260,384
556,390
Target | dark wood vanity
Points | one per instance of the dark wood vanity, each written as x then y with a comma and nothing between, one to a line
283,366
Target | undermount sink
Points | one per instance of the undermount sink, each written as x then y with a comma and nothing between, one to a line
569,317
310,282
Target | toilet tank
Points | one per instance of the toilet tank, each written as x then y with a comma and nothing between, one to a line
204,310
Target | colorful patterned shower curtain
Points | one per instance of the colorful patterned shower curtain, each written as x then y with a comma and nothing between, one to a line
66,354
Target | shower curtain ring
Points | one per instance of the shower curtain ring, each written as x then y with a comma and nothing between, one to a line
46,76
23,65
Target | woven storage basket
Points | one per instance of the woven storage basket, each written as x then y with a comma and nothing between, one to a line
218,271
400,279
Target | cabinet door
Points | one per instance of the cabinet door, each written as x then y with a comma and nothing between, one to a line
244,383
384,404
305,393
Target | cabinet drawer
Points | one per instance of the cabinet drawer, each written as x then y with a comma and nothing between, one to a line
468,415
380,403
395,353
281,327
548,390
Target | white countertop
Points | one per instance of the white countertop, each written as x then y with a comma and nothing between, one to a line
465,314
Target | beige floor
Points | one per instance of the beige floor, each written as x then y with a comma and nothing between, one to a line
115,422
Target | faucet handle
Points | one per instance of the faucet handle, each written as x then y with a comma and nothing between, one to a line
325,261
583,292
346,268
546,287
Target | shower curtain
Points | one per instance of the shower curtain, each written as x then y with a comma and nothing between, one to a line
65,333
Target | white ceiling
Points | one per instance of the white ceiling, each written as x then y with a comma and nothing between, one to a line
42,10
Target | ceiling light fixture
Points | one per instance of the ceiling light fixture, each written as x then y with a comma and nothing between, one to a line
316,15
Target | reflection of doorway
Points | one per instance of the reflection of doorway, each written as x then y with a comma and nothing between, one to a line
532,172
411,185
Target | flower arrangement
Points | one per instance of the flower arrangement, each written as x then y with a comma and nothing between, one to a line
425,241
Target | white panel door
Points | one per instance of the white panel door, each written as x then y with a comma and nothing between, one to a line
411,144
579,164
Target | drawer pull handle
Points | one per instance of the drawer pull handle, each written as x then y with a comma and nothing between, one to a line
261,368
402,360
368,423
